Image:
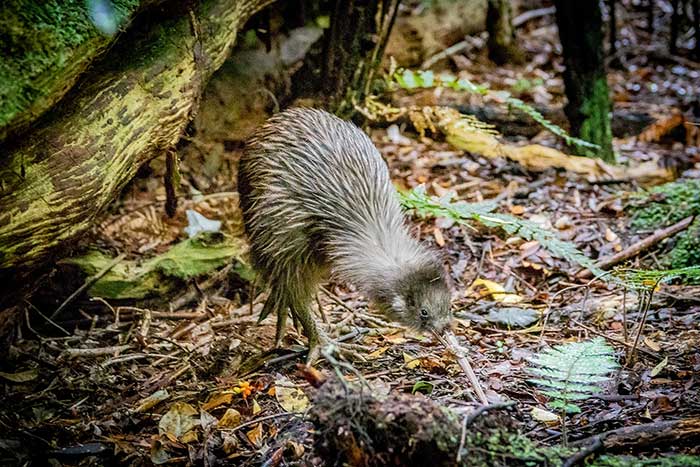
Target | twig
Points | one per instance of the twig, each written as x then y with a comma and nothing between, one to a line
486,408
648,434
581,455
261,419
97,351
636,248
88,283
611,339
532,14
453,49
49,320
462,439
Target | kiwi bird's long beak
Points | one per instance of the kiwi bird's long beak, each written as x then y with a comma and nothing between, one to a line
450,342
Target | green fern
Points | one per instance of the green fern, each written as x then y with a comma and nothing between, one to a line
462,213
408,79
648,280
573,372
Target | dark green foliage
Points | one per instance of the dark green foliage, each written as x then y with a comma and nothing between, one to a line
665,205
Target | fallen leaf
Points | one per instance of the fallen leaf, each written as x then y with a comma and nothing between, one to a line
290,396
377,353
152,400
439,238
513,316
21,376
544,416
517,209
496,291
178,420
231,418
255,435
410,362
610,235
653,345
256,407
217,400
659,367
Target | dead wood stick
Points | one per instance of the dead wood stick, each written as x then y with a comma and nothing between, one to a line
88,283
648,434
581,455
97,352
636,248
532,14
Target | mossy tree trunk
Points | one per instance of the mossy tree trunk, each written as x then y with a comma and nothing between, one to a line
46,45
502,44
132,106
589,109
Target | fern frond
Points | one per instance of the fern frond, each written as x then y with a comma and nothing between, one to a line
648,280
573,372
462,212
408,79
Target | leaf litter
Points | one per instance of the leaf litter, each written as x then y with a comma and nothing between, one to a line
149,381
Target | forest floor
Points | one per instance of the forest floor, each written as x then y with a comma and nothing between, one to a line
172,380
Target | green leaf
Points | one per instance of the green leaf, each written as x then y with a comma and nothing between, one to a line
423,387
190,258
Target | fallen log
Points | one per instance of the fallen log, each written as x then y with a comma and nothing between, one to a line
46,46
133,106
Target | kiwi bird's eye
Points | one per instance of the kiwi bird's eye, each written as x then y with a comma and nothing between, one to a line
424,313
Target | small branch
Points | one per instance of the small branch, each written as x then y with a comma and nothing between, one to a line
581,455
486,408
648,434
532,14
642,245
96,352
88,283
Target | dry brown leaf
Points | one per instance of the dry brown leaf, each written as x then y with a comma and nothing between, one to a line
217,400
231,418
255,435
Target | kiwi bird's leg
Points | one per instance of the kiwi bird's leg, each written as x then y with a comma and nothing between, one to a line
303,315
281,325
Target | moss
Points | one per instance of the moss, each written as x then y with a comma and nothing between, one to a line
665,205
596,125
46,46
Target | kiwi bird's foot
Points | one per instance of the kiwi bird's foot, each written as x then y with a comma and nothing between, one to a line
325,344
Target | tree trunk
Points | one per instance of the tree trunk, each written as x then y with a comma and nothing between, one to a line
46,46
354,46
502,44
132,107
588,109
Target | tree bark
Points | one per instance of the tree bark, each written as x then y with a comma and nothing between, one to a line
502,44
132,107
580,26
46,46
354,46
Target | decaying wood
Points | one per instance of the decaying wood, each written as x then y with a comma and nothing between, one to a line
131,108
685,431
